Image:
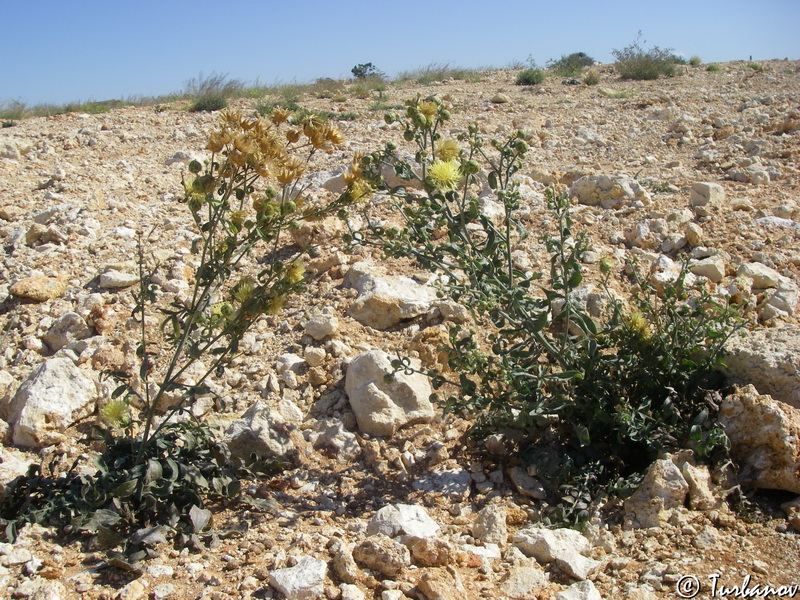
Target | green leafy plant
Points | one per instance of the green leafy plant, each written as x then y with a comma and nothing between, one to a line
755,67
712,68
695,61
531,76
597,398
634,62
158,467
570,66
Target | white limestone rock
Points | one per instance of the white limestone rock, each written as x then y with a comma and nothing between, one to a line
769,359
566,547
762,276
332,436
663,490
385,300
381,408
402,519
582,590
67,329
768,454
54,396
260,431
712,268
490,525
705,196
114,279
304,581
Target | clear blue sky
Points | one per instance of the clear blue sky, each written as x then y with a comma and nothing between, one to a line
58,51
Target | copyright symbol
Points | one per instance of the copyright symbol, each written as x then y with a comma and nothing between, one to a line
688,586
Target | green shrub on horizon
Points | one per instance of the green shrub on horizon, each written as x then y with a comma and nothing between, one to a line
570,66
531,76
695,61
634,62
713,68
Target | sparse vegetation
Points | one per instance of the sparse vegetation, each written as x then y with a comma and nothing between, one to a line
366,71
713,68
212,92
570,66
755,67
695,61
634,62
592,77
439,72
531,76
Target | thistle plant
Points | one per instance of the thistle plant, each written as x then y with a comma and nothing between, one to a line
156,470
597,400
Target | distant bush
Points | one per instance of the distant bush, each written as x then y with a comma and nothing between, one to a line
713,68
530,77
755,66
634,62
213,92
570,66
695,61
592,77
439,72
366,70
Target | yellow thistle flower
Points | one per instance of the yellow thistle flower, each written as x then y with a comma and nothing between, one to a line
428,109
444,175
449,150
637,323
295,272
238,217
243,291
274,304
115,412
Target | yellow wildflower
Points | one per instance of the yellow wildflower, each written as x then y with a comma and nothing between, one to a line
449,150
444,175
295,272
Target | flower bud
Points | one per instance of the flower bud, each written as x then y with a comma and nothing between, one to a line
194,167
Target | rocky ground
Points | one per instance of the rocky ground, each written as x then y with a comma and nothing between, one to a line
405,505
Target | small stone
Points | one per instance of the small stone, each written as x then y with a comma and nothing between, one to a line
38,288
491,525
526,485
321,326
694,234
524,582
583,590
381,553
712,268
402,519
304,581
163,590
351,592
430,551
113,279
500,99
314,356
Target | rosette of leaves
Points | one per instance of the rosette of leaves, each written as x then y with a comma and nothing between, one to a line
596,400
154,473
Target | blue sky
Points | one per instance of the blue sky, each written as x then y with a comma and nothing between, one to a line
59,51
